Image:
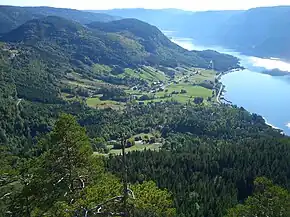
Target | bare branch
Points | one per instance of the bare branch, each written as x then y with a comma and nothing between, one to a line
82,182
107,201
98,208
59,181
5,195
86,213
111,214
131,192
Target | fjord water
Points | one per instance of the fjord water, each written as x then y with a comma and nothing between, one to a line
266,95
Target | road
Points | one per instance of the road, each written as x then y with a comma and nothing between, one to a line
219,94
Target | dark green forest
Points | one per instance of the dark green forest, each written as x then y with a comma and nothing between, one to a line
209,164
11,17
213,160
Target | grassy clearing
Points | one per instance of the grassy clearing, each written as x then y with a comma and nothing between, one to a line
95,102
155,73
78,84
190,90
92,82
148,74
77,80
138,147
100,69
202,75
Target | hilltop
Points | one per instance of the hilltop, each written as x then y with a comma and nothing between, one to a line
109,43
12,17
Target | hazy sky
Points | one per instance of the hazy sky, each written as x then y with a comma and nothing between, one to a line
181,4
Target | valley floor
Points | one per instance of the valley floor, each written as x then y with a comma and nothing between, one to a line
157,87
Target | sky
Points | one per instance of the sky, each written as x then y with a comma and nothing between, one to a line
193,5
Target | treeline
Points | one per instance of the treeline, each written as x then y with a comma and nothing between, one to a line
209,160
64,178
208,177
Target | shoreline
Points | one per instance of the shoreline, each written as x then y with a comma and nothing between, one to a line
244,60
222,88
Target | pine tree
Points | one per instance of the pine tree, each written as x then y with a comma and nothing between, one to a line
268,200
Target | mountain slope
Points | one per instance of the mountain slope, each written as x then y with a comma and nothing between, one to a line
164,19
180,21
12,17
50,48
46,59
259,31
127,43
160,47
71,41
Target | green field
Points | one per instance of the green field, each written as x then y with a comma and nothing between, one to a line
191,92
190,89
202,75
77,80
156,73
187,79
95,102
146,73
137,147
100,69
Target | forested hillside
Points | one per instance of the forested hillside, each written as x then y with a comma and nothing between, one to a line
12,17
145,45
209,158
57,50
113,119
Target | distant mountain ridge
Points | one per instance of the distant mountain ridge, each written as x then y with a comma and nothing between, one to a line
11,16
180,21
258,31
